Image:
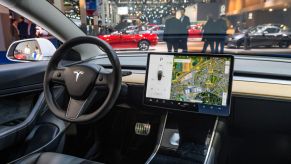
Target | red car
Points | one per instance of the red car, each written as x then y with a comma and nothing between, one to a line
20,56
195,31
125,41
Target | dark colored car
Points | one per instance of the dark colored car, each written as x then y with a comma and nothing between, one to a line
269,35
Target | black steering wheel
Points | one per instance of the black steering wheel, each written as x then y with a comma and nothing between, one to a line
82,82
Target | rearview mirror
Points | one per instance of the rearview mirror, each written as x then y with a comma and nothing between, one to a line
31,50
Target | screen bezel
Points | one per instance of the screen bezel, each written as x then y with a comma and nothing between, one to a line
191,54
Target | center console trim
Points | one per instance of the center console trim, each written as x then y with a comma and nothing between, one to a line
211,141
160,137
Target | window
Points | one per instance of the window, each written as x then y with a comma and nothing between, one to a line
213,26
272,30
15,27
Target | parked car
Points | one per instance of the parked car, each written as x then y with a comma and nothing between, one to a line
157,29
268,35
150,25
195,31
134,29
127,40
129,29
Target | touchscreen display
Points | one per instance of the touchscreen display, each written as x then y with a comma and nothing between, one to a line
185,81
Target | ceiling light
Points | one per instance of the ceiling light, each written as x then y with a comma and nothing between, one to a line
285,9
270,10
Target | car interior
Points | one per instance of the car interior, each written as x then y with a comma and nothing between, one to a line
89,104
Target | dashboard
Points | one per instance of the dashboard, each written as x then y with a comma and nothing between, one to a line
254,76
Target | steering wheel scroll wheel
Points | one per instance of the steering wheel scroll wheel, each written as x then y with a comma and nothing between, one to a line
82,82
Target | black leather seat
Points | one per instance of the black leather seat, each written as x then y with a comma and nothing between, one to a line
52,158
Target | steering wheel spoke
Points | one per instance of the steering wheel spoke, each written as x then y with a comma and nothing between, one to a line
77,107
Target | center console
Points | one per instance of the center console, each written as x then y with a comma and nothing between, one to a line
193,90
182,144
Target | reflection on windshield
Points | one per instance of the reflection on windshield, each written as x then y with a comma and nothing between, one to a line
210,26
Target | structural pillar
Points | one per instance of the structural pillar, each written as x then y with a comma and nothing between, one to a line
60,5
83,14
5,34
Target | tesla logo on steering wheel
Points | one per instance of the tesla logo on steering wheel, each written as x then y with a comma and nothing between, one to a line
78,73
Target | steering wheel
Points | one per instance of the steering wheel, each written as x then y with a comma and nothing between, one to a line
82,82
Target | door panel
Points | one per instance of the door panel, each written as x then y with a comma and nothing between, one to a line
114,40
271,35
270,39
19,121
19,90
129,40
257,40
14,109
21,77
21,105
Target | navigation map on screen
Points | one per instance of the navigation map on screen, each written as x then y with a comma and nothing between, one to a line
194,79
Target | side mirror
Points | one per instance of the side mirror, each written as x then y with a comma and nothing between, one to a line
265,32
26,50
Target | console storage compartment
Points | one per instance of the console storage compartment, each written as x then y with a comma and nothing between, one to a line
188,138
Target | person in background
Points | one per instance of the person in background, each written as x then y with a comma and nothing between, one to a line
185,24
31,30
110,29
36,54
171,36
40,32
27,50
101,30
107,30
122,25
139,27
14,30
221,27
22,28
247,41
208,35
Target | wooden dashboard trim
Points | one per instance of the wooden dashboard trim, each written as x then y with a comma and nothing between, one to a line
248,88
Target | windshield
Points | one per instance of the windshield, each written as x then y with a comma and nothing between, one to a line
209,26
136,27
257,29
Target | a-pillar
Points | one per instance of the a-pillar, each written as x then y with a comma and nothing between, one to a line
60,5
